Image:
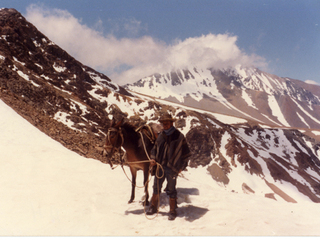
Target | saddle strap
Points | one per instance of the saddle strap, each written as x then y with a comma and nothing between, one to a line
148,132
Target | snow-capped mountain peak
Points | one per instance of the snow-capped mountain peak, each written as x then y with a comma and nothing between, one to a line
242,92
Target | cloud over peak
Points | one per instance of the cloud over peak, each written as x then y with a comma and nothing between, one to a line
127,60
311,82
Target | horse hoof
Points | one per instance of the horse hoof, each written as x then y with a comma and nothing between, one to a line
130,201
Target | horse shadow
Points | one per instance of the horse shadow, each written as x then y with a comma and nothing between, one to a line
189,211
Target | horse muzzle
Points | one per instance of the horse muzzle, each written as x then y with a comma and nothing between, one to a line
107,151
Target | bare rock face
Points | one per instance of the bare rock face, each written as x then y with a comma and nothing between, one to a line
201,145
218,174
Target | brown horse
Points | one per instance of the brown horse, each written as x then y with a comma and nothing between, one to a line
137,144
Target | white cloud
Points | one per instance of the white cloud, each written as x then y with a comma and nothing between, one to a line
132,26
129,59
311,82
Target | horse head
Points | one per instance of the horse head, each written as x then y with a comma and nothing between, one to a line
114,138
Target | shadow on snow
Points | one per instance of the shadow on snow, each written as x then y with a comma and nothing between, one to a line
189,212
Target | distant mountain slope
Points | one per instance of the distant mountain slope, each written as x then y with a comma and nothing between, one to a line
242,92
74,105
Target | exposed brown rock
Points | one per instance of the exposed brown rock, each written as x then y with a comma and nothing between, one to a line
279,192
270,195
218,174
246,189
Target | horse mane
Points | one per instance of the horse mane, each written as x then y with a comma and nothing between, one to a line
156,128
150,132
128,126
131,131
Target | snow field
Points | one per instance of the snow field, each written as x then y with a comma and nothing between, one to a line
47,190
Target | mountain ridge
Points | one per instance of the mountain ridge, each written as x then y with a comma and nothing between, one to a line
240,92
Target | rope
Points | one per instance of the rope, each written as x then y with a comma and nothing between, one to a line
130,179
147,182
157,176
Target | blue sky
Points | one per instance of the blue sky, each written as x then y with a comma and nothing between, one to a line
130,39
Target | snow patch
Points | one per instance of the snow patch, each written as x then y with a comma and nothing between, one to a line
58,68
63,118
276,111
228,119
248,99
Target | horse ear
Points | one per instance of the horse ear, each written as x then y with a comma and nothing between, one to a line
112,122
119,124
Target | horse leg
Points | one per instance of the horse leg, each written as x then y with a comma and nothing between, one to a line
145,183
133,183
